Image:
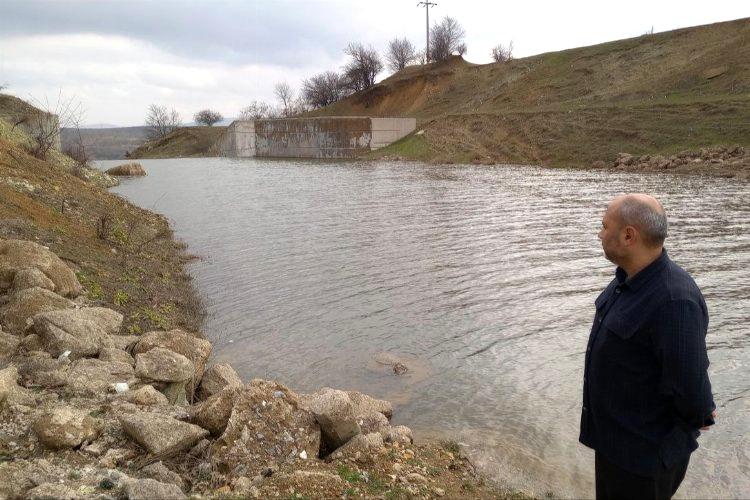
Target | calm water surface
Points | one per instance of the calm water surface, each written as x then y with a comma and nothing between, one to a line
480,279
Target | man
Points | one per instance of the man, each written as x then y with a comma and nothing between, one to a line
646,392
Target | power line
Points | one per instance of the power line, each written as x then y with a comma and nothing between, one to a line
427,5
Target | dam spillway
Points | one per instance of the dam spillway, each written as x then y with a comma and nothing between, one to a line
320,137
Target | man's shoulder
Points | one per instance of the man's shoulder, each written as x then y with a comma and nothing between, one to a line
678,285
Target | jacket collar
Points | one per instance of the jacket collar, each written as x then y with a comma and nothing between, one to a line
645,274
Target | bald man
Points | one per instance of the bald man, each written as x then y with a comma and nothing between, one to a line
646,393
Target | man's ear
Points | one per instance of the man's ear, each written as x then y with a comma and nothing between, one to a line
629,233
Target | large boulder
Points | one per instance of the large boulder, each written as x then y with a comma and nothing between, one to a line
112,354
25,304
399,434
150,489
16,255
335,412
8,346
360,446
213,414
66,427
30,278
364,404
10,391
145,396
165,436
83,332
374,422
163,365
266,425
193,348
94,376
216,378
161,473
39,369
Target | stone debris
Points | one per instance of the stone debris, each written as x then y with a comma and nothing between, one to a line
163,436
359,446
145,396
66,427
51,491
94,376
192,347
729,160
82,331
150,489
114,354
400,434
216,378
31,277
161,473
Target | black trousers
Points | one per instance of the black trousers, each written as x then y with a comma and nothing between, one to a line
614,483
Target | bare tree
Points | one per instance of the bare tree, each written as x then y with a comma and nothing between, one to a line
400,53
162,121
284,93
502,54
446,38
362,68
258,110
207,117
323,89
44,123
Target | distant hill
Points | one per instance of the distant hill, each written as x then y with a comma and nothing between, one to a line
106,143
659,93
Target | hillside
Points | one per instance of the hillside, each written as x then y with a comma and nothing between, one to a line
182,143
106,143
660,93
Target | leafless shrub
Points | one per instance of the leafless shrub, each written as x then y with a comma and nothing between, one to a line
502,54
400,53
44,123
161,121
446,38
285,94
362,68
323,89
258,110
207,117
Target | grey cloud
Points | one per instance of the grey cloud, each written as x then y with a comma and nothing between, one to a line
285,33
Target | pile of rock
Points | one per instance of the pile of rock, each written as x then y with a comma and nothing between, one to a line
71,382
735,159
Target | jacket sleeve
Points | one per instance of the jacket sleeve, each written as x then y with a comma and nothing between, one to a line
680,343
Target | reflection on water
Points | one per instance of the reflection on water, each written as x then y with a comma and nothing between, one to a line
482,278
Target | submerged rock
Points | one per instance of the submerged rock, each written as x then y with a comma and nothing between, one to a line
18,255
127,169
66,427
165,436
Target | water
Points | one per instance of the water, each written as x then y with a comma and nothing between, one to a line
480,279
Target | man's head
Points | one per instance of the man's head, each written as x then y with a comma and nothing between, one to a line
633,228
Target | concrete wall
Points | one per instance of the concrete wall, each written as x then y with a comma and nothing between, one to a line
324,137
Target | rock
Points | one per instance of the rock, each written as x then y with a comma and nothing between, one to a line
38,368
8,345
17,255
439,492
711,73
122,342
599,164
245,488
374,422
416,478
66,427
163,365
30,278
200,449
150,489
112,354
266,425
81,331
194,348
51,491
10,391
334,411
216,378
364,404
400,434
161,473
94,376
213,414
145,396
31,342
23,305
127,169
161,435
176,393
360,445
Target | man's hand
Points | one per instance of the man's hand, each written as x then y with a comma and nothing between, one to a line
708,427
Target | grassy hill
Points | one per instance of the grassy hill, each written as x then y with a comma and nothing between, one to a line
660,93
182,143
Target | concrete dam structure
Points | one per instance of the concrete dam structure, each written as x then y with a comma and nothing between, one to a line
324,137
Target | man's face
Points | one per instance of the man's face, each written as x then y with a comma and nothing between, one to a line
610,236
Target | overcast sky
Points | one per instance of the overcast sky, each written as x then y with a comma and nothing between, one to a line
118,56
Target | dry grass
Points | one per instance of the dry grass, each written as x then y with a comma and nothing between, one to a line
182,143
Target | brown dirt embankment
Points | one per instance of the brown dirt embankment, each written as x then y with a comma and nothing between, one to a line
184,142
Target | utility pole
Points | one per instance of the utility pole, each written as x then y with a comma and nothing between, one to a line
427,5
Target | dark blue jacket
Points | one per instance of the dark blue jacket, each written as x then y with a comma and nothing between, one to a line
645,388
